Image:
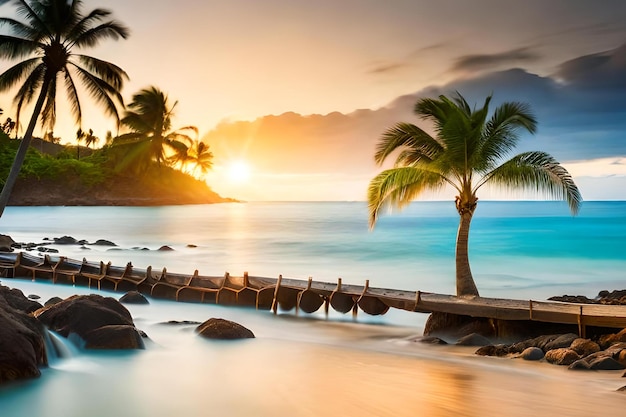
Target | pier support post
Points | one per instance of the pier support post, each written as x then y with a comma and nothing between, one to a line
275,300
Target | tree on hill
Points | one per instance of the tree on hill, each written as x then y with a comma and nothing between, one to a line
149,119
466,153
196,157
52,29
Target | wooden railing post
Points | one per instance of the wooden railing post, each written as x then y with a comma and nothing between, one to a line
275,300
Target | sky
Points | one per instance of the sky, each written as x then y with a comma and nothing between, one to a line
297,93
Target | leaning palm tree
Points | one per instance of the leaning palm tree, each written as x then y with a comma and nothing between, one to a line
91,139
466,153
52,29
149,119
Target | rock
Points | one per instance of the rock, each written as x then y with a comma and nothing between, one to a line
53,301
183,322
606,364
561,341
562,356
22,346
191,245
6,243
431,340
114,337
578,299
493,350
16,299
80,314
456,326
65,240
165,248
215,328
103,242
622,389
134,297
473,339
579,365
532,354
584,347
33,297
540,341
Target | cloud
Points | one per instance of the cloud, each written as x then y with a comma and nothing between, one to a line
600,70
580,123
480,62
386,67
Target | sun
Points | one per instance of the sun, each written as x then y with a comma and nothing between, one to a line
239,172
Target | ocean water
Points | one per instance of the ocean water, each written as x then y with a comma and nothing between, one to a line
310,365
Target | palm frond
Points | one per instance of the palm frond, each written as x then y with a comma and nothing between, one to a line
501,133
406,135
49,113
19,28
107,71
101,91
539,172
72,96
398,187
93,36
12,47
27,91
34,17
13,75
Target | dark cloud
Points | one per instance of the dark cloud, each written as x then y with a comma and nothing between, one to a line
475,63
388,67
600,70
408,62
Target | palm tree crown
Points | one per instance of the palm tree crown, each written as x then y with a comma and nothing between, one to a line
465,153
149,118
45,40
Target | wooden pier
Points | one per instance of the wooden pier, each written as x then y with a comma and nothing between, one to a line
303,295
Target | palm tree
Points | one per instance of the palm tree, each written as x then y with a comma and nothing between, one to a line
200,156
46,39
80,136
91,139
149,117
466,153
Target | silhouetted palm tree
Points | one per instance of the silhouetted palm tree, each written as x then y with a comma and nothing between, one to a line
466,153
149,118
199,156
52,29
91,139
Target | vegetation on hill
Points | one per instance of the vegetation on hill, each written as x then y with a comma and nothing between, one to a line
56,177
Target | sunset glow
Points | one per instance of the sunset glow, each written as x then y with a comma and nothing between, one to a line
239,172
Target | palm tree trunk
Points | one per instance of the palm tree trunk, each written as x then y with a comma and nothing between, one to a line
21,151
464,281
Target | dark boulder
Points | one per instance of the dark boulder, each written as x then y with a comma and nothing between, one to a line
103,242
606,363
65,240
114,337
579,365
215,328
52,301
532,354
165,248
134,297
493,350
16,299
22,345
81,314
431,340
6,243
562,341
455,326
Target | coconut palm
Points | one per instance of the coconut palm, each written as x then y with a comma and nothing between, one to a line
51,30
466,153
149,118
91,139
80,136
200,157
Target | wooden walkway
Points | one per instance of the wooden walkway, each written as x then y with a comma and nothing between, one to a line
303,295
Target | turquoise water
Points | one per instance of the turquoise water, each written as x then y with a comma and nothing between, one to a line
536,249
311,365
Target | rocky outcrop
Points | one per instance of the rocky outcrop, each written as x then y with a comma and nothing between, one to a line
86,315
22,345
134,297
215,328
6,243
